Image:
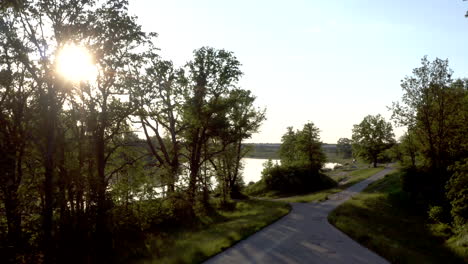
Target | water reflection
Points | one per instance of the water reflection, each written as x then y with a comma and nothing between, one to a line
253,168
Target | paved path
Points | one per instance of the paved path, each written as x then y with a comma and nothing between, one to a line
304,236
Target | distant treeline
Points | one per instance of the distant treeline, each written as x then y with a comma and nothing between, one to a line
270,150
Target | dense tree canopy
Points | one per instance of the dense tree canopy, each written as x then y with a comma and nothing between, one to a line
302,147
302,159
434,109
77,183
371,137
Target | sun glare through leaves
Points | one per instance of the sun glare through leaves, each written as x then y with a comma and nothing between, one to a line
75,63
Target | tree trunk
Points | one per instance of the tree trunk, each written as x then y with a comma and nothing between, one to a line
193,184
49,166
236,168
101,214
171,185
13,216
9,186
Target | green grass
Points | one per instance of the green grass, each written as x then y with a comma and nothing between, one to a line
216,233
361,174
459,242
315,196
259,189
353,177
384,219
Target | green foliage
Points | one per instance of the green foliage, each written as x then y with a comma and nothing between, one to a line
302,148
434,108
409,149
352,178
302,158
436,213
215,233
212,78
372,216
457,192
15,4
287,151
294,179
244,120
371,137
459,241
74,178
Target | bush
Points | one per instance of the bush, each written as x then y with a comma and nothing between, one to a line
457,192
423,185
436,213
295,179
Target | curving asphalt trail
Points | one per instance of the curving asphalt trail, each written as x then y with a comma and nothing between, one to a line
304,236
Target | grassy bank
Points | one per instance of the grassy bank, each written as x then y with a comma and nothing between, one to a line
350,178
346,176
384,219
215,232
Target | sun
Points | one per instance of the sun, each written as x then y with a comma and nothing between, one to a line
75,63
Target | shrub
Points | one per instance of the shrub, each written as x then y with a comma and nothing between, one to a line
436,213
423,185
457,192
295,179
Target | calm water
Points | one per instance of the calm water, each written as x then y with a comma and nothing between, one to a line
253,168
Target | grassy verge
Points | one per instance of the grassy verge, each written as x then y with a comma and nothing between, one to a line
315,196
383,219
359,175
216,233
351,177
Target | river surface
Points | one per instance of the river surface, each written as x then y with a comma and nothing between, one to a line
253,168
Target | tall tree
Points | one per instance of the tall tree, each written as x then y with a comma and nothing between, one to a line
434,108
115,39
37,32
429,108
16,120
371,137
160,98
211,75
302,148
409,147
309,147
244,120
287,151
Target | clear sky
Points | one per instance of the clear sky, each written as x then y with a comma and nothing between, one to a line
330,62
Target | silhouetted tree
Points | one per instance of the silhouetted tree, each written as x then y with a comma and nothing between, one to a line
211,75
160,98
